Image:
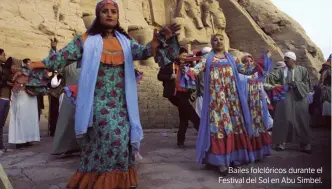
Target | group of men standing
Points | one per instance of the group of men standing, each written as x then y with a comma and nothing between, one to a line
22,106
25,108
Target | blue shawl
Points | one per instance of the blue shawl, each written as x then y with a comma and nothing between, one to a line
203,139
93,47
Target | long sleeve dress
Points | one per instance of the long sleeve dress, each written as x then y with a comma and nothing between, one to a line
229,141
107,161
261,118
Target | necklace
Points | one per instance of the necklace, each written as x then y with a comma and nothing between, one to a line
109,37
220,56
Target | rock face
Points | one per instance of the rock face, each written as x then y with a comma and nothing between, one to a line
27,26
286,32
247,25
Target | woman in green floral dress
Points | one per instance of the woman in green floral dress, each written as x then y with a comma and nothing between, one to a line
107,118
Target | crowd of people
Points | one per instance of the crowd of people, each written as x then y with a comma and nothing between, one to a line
233,103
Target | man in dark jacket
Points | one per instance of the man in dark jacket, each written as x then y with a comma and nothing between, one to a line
178,96
5,93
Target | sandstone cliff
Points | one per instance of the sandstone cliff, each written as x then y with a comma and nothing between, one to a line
248,26
286,32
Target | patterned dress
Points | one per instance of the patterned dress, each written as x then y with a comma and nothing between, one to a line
229,140
107,161
261,139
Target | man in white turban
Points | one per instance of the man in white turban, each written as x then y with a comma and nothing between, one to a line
291,121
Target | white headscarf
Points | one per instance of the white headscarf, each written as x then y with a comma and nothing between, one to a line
290,55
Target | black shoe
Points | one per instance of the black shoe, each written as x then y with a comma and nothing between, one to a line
306,148
306,151
180,144
280,147
28,144
19,146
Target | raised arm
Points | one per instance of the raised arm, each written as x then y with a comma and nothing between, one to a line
35,78
198,67
140,52
164,46
273,79
262,66
69,54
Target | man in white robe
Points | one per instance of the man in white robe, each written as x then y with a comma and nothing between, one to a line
23,123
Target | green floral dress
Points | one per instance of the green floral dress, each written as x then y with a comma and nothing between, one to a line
107,161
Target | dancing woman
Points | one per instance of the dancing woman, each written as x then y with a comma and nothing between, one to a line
225,127
107,117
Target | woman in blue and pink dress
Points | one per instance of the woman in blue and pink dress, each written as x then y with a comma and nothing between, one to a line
225,127
261,120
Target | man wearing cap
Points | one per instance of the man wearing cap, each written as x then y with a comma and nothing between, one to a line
291,121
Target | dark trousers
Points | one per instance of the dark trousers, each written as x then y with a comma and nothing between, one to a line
4,109
53,114
186,113
40,102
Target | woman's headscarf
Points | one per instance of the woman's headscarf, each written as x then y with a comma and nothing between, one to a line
99,6
102,3
245,57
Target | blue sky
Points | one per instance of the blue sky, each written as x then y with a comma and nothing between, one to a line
315,17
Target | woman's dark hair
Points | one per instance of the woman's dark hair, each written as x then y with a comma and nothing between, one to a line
328,60
97,28
25,61
183,50
2,51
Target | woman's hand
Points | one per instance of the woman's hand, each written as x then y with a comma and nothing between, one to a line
170,31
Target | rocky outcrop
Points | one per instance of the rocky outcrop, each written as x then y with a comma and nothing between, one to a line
27,26
244,34
248,26
286,32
